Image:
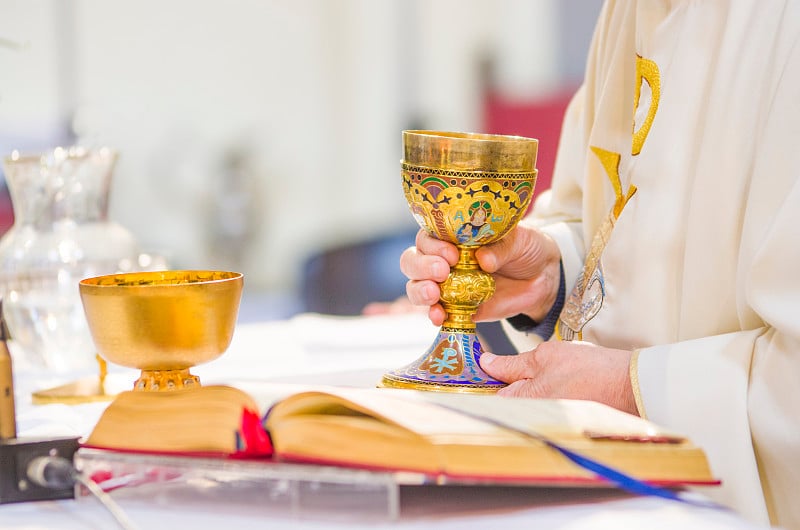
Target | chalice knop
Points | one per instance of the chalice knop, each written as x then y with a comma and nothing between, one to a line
162,322
469,189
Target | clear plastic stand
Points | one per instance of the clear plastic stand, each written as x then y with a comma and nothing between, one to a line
260,487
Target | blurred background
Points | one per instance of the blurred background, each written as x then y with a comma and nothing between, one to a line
263,136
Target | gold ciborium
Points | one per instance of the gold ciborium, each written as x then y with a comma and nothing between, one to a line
468,189
162,323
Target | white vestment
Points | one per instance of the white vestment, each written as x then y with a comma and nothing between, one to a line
689,122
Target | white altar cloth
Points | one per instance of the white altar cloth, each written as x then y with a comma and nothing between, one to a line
332,350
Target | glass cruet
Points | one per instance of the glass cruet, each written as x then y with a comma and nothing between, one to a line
61,234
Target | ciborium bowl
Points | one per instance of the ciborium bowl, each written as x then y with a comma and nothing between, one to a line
163,322
469,189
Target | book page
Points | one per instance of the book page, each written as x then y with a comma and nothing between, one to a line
553,417
558,418
412,410
268,394
385,405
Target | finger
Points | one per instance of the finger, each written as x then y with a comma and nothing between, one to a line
436,247
524,388
423,292
417,265
533,297
376,308
437,314
508,368
523,253
401,305
487,256
492,257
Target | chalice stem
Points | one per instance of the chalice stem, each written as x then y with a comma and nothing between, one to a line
464,290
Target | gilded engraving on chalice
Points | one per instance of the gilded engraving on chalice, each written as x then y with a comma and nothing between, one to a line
469,189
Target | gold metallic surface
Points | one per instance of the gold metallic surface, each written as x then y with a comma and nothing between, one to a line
465,288
85,390
162,322
471,190
470,151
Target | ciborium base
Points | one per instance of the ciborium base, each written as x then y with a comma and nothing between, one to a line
451,364
89,389
101,387
163,380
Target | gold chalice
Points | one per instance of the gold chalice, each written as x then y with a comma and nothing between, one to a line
162,323
468,189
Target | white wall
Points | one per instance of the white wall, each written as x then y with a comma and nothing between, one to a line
313,92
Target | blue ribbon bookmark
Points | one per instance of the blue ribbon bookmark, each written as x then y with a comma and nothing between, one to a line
616,477
623,480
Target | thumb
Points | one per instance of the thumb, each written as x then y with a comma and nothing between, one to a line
522,254
506,368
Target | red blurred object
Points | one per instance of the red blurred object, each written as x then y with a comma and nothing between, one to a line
539,118
6,211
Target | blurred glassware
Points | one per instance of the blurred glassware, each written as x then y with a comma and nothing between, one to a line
61,234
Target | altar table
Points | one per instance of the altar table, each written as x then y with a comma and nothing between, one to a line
331,350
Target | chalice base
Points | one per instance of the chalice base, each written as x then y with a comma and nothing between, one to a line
451,364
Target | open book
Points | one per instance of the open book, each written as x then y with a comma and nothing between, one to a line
439,434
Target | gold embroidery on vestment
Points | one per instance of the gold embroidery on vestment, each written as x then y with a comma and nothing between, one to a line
646,70
586,297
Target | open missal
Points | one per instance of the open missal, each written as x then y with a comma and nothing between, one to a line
438,434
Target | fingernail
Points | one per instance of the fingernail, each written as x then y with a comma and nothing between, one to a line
432,293
436,270
486,259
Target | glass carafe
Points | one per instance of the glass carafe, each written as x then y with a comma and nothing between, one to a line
61,234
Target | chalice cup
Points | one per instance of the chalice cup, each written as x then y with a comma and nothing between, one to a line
162,322
469,189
